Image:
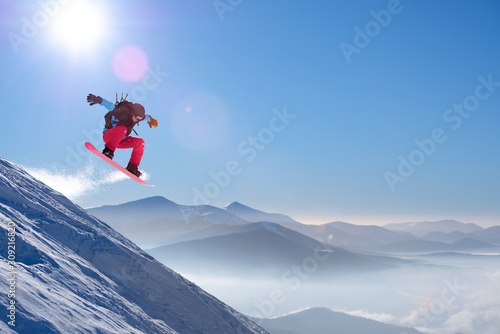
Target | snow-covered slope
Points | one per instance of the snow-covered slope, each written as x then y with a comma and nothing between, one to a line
77,275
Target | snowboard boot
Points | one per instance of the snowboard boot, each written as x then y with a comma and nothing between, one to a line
108,153
134,169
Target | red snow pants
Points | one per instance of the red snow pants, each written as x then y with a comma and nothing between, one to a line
115,138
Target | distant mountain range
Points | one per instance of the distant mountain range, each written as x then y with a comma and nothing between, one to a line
239,239
238,243
264,249
420,229
325,321
156,221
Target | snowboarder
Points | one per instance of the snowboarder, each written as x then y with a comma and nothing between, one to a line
120,121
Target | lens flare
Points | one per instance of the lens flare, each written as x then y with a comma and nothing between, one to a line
130,63
200,122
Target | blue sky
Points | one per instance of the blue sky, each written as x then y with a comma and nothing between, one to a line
369,112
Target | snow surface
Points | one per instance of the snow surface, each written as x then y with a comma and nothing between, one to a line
75,274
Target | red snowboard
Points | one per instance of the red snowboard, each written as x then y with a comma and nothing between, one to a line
92,149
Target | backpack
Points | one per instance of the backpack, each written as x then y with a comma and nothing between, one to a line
123,103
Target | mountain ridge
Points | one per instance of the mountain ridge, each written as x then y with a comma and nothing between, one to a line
253,215
264,249
422,228
321,320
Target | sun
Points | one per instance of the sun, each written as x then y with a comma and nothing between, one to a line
79,25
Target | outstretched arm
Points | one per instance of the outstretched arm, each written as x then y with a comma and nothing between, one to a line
108,105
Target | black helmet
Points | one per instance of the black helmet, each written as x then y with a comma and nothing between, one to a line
138,111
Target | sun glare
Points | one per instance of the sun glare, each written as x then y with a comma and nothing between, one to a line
79,25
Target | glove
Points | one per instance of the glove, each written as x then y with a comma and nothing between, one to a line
152,122
92,99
